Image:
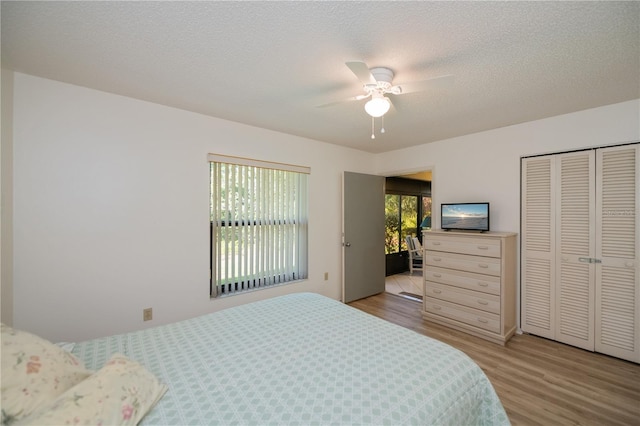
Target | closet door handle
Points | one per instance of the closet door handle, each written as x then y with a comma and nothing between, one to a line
589,260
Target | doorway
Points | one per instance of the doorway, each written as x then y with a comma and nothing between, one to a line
414,198
407,214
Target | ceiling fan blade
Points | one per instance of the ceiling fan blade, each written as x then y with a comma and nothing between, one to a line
351,99
392,107
361,70
420,86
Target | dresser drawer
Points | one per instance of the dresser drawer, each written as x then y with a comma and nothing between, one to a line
484,283
477,264
474,317
474,246
473,299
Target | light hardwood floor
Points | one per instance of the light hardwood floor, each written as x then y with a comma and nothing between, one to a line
539,381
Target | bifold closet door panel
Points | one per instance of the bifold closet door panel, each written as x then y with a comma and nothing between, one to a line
558,234
575,249
538,246
617,277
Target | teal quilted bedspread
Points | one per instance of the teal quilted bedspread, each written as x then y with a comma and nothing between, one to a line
303,359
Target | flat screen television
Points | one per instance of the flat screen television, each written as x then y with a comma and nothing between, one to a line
465,216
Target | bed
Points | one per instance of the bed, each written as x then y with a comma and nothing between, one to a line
301,359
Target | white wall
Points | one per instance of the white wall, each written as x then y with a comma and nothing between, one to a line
6,210
111,209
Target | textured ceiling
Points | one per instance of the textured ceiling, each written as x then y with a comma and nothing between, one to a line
270,64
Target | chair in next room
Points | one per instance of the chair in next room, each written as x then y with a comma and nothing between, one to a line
415,254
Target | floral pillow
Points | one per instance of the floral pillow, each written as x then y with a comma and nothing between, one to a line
34,373
120,393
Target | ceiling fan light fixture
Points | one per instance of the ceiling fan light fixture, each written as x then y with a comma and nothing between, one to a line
377,106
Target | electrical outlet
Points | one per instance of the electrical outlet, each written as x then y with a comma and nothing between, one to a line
326,276
147,314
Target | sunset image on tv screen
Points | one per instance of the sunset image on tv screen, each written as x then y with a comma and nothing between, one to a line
465,216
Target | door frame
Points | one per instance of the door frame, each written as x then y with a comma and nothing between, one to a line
435,218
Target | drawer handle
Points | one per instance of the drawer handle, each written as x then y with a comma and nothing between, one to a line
483,302
436,243
483,265
482,320
437,275
437,308
436,291
483,247
483,284
437,259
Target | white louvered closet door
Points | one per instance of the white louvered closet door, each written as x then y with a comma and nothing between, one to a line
575,248
538,248
580,268
617,277
558,236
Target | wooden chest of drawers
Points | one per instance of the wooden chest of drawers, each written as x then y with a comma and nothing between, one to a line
470,282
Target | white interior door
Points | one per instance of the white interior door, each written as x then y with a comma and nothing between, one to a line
575,248
580,268
362,236
618,273
558,235
538,248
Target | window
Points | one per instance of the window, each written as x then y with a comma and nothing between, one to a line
407,213
259,215
401,215
392,223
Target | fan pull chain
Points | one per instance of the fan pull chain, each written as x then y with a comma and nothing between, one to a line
373,127
373,136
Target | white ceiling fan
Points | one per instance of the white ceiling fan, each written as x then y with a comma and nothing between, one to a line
378,82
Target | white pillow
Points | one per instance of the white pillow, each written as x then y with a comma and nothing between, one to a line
34,373
120,393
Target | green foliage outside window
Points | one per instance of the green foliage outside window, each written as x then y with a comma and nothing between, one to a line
401,220
392,224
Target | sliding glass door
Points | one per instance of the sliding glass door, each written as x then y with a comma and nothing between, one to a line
401,220
407,213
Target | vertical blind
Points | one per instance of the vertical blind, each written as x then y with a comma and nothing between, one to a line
259,217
